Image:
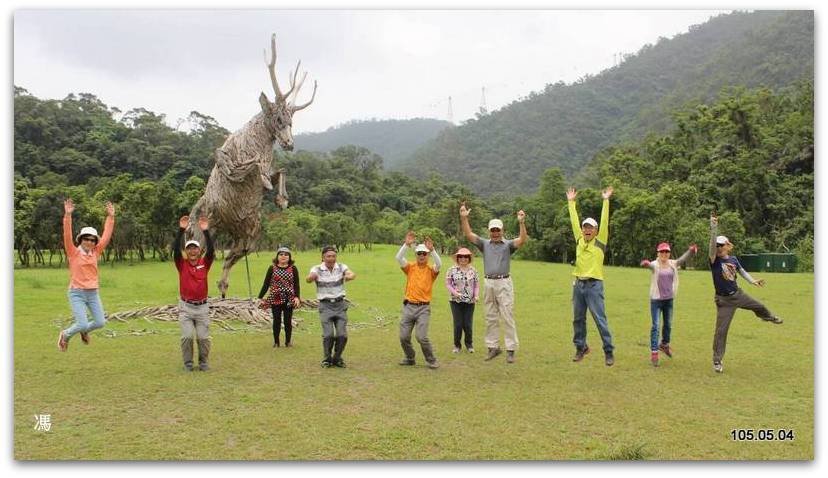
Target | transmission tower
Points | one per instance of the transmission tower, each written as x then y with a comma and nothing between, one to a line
483,109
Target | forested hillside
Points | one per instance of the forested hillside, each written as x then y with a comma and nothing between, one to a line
394,140
564,126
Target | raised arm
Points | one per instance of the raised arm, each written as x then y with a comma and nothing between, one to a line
68,208
714,231
571,194
109,228
204,225
464,224
409,240
521,217
183,221
690,252
603,228
434,256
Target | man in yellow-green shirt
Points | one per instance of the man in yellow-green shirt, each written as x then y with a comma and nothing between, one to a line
588,287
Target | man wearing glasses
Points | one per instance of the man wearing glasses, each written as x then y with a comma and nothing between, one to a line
416,311
499,293
588,288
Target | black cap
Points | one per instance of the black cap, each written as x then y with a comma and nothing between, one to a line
328,249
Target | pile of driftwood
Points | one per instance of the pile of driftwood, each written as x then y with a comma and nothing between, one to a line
221,311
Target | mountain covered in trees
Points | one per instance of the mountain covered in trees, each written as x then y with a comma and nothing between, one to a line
564,126
394,140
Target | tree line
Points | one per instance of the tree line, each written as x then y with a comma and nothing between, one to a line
748,156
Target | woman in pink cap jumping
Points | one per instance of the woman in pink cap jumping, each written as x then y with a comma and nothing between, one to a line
463,284
663,287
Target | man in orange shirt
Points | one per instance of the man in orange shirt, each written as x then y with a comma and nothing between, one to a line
83,273
416,310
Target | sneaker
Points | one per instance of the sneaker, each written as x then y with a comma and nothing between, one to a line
455,350
774,320
579,354
339,363
288,344
470,350
325,363
717,367
432,365
510,356
609,359
62,344
493,352
407,361
654,358
276,345
666,349
85,337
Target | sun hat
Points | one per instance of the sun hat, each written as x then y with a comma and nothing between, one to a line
589,221
192,242
421,248
722,240
495,223
463,252
87,231
663,247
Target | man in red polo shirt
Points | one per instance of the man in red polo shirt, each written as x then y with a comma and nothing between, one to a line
193,311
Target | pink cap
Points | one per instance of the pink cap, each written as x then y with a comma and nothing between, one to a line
663,247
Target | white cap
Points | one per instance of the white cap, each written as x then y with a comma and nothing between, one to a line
421,248
87,231
722,240
590,221
496,223
192,242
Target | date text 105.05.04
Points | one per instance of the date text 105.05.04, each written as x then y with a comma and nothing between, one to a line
762,434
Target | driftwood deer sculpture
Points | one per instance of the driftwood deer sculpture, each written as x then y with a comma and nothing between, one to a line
232,199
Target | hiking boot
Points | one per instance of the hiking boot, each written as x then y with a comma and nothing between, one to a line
609,359
579,354
470,350
717,367
62,344
407,361
339,363
774,320
510,356
326,363
188,367
455,350
85,337
493,352
654,358
433,365
203,367
666,349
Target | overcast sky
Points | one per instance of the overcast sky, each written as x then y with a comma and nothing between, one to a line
369,64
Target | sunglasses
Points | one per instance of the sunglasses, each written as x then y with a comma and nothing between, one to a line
495,229
422,253
464,257
663,251
88,238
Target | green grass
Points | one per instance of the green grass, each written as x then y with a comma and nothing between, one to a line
125,397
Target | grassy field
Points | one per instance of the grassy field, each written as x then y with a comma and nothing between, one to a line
126,396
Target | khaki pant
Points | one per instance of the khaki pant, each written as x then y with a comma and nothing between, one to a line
499,299
416,318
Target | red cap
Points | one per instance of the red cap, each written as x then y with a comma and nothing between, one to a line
663,247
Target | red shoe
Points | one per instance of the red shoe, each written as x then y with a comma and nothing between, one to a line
666,349
62,344
654,358
85,337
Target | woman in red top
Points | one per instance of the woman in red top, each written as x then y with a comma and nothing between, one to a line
82,256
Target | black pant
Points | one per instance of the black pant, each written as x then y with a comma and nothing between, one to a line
463,314
287,311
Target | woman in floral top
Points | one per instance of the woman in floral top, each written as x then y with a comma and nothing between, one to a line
463,285
281,284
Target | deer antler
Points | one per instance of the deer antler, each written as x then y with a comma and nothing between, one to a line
293,80
297,108
271,66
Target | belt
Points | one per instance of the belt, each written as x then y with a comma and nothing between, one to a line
408,302
587,279
728,294
195,302
334,300
502,276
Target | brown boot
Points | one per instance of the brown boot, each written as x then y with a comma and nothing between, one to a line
493,352
510,356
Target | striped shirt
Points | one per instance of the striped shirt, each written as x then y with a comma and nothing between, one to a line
330,284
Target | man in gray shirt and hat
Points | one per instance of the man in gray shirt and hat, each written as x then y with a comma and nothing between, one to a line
498,290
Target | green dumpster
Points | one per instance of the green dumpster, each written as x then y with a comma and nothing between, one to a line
751,262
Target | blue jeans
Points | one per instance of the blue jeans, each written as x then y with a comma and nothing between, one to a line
590,295
80,300
666,308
